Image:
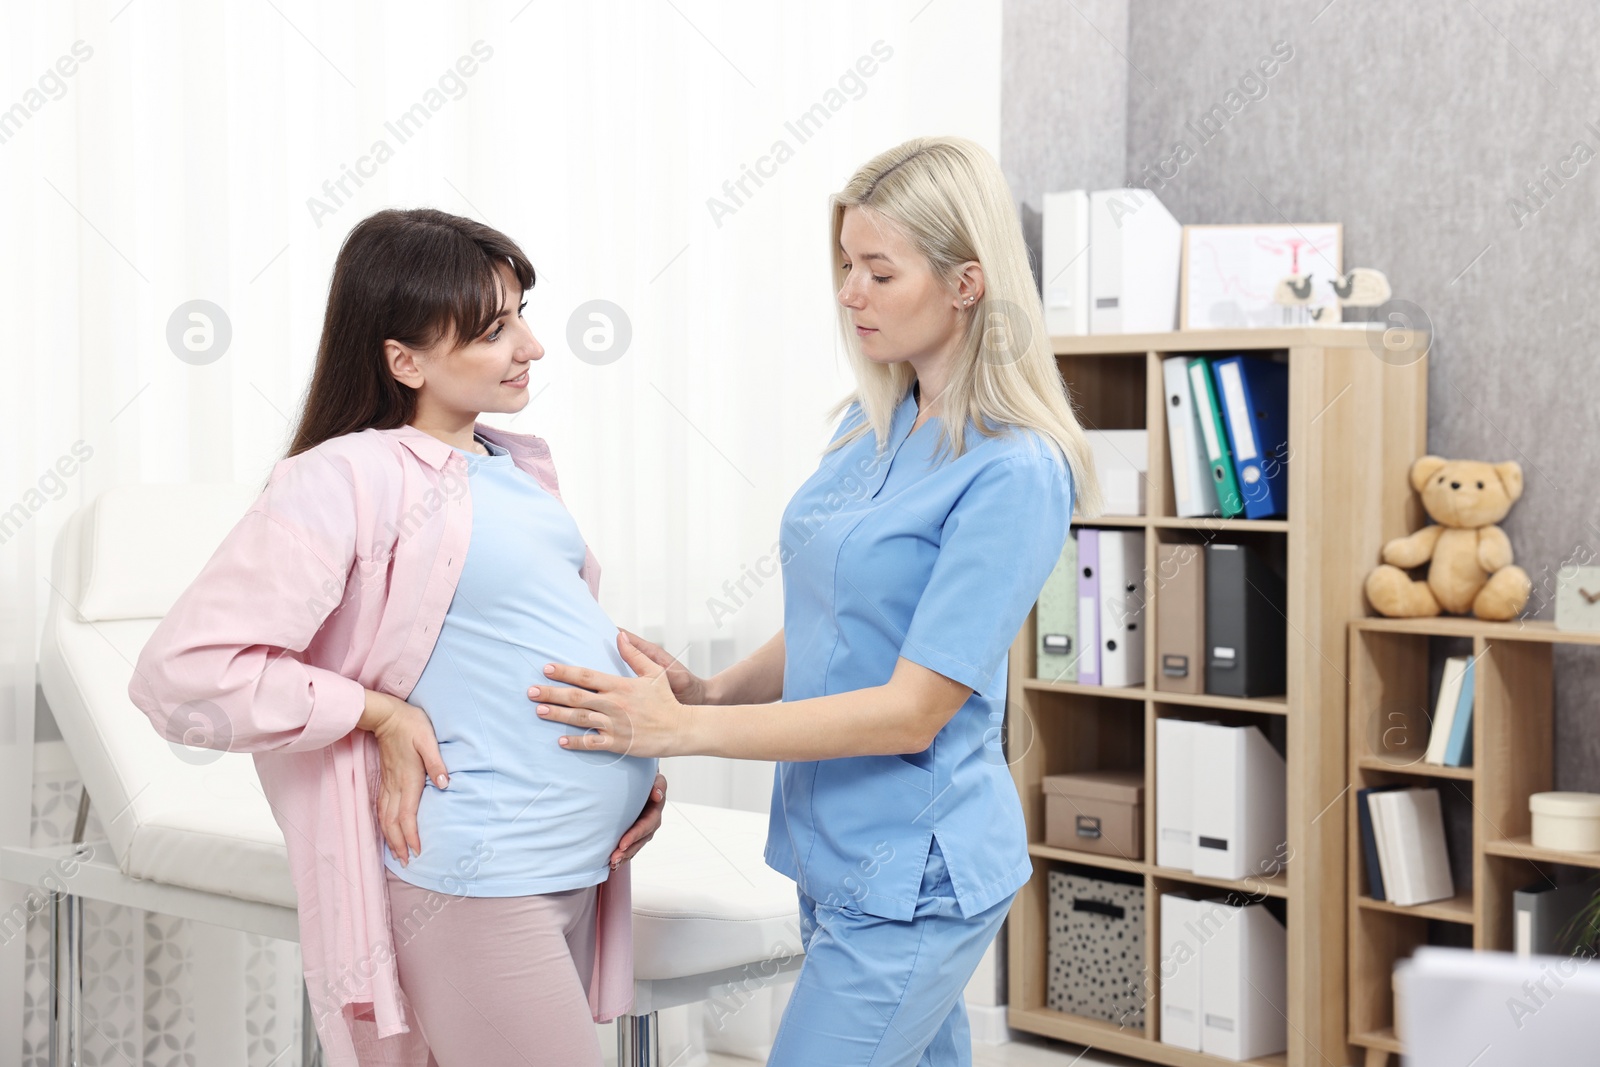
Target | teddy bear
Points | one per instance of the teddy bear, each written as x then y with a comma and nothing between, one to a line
1468,556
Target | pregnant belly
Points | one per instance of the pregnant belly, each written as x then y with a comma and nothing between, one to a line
536,819
521,806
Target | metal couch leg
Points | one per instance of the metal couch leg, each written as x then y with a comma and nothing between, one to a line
638,1041
66,980
310,1045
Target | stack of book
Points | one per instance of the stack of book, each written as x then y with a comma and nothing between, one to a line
1450,740
1228,431
1402,836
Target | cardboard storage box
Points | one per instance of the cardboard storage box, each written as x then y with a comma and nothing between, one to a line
1096,947
1096,811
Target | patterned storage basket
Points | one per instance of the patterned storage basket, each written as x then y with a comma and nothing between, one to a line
1096,948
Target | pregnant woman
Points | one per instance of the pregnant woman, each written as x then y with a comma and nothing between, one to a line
373,621
910,560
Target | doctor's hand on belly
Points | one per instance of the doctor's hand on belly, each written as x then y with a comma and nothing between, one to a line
639,716
687,687
408,755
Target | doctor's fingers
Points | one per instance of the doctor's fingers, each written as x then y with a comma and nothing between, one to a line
586,717
580,676
566,696
600,741
600,736
654,652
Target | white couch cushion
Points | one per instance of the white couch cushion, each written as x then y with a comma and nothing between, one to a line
704,899
142,545
189,817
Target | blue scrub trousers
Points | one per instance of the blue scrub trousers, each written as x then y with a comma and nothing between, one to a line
886,992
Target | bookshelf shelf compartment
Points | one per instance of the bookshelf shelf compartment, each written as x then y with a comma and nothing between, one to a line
1538,631
1513,756
1114,520
1347,494
1379,1039
1112,692
1521,848
1088,859
1276,885
1112,1038
1168,522
1379,765
1222,525
1458,909
1260,705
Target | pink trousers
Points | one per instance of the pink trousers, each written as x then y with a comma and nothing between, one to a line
498,981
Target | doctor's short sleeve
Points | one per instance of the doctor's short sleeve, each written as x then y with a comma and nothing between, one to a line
998,545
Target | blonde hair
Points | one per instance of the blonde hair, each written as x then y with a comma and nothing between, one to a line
947,195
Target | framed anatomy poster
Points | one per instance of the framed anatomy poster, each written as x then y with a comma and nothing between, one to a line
1229,273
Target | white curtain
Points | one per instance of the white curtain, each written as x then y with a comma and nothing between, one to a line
671,157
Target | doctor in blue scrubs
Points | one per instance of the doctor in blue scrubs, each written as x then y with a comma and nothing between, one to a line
910,560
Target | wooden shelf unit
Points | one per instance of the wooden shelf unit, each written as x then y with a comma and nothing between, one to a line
1513,753
1356,422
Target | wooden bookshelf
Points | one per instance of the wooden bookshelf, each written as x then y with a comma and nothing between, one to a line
1356,422
1391,694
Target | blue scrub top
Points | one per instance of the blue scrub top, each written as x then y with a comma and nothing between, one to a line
938,560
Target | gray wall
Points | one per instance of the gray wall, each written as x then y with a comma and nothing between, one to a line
1418,125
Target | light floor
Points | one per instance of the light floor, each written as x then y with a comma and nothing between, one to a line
1026,1051
1023,1052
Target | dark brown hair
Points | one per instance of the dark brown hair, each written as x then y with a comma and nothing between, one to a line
412,276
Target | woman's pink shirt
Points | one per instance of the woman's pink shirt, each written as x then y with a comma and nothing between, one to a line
336,581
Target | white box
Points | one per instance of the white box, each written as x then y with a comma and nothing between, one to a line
1064,270
1175,793
1122,463
1134,248
1179,968
1244,983
1569,822
1464,1007
1240,803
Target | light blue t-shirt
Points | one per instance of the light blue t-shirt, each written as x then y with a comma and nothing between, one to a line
521,815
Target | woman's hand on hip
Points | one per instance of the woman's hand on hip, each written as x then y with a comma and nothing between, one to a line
408,755
644,827
631,716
